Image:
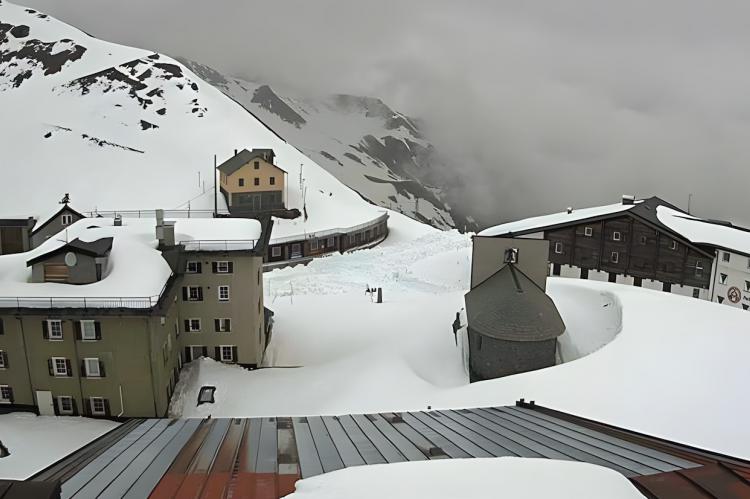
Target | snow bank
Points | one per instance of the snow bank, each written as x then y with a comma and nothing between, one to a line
358,356
35,442
518,478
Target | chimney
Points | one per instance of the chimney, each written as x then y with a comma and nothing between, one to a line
159,217
165,234
569,210
118,220
235,152
627,199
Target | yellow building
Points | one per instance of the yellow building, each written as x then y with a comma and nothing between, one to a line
251,183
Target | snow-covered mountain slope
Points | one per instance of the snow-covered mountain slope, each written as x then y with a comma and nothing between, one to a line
376,151
125,128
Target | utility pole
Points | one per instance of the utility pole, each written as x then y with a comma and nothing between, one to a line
690,199
216,200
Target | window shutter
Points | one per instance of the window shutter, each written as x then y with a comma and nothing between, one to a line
86,407
98,330
68,368
188,354
228,324
2,327
184,293
231,267
45,330
199,270
205,351
234,354
217,353
51,369
12,399
187,325
214,267
84,374
200,294
75,406
5,360
217,327
101,369
79,334
55,407
106,407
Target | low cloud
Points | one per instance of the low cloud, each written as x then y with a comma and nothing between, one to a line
540,104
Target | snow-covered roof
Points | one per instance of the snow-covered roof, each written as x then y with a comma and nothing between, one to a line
136,272
543,221
44,220
700,231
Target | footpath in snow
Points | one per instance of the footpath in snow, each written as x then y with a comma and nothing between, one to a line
339,353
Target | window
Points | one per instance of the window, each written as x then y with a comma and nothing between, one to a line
296,250
59,366
332,243
88,331
193,267
256,165
725,257
223,267
615,257
192,325
696,293
256,181
588,231
314,244
206,395
6,394
559,248
3,359
227,353
192,293
748,266
223,325
272,180
698,268
673,245
223,293
98,407
67,219
54,329
723,278
92,367
242,182
616,236
644,240
65,404
747,286
195,352
276,251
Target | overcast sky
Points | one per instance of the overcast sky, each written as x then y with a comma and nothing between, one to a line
545,103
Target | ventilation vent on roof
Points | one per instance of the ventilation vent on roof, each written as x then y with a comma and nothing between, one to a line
627,199
569,210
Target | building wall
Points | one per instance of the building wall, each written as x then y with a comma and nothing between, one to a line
737,271
128,350
626,251
54,226
230,183
244,308
491,358
488,257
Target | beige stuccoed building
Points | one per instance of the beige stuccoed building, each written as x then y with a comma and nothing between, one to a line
102,324
251,183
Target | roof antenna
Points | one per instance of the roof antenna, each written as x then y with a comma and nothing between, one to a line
690,199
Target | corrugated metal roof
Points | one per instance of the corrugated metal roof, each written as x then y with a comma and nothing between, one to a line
264,457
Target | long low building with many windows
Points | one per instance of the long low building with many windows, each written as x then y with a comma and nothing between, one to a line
99,320
648,243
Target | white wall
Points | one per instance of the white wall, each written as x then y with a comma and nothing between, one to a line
737,271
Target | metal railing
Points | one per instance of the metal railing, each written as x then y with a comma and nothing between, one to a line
152,213
219,244
329,232
85,302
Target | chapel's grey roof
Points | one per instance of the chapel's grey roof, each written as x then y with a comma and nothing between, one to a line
509,305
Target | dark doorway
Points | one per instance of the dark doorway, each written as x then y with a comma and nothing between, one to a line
555,269
637,281
612,277
666,287
584,273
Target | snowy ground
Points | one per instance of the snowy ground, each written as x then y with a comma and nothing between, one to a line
664,356
35,442
476,478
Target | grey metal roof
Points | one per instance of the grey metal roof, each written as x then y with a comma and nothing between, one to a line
100,247
242,158
163,457
509,305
